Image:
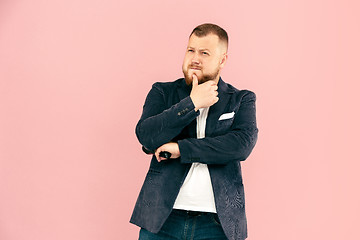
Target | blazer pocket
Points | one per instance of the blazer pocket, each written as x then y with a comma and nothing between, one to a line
226,116
225,124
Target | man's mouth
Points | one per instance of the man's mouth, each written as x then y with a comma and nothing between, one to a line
195,68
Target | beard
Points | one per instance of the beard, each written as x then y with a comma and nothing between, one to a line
203,78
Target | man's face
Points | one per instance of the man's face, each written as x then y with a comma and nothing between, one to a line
204,57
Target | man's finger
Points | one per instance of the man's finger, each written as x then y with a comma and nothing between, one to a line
195,81
157,155
212,83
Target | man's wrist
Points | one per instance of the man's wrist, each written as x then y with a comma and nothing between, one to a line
195,107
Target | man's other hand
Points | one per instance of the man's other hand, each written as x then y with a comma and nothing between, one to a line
171,147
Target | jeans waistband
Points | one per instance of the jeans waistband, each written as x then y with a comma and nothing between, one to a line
191,213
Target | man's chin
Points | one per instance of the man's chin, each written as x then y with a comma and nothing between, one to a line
188,80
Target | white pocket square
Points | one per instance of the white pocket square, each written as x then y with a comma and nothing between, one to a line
226,116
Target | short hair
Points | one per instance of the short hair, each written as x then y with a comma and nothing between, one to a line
207,28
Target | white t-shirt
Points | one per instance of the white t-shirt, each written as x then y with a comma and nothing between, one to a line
196,193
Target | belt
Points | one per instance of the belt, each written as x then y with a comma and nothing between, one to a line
191,213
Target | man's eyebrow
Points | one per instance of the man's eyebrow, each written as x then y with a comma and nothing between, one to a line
201,49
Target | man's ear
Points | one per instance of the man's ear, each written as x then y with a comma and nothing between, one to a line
223,60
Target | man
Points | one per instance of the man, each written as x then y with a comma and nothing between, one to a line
208,127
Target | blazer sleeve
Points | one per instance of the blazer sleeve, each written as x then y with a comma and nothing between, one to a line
235,145
159,124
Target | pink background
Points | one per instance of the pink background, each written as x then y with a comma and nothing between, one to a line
73,78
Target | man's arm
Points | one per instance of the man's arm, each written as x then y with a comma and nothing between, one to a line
158,123
236,145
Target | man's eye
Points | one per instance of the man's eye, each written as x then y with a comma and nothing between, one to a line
205,53
190,50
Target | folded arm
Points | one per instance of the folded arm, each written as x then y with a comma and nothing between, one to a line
234,145
159,123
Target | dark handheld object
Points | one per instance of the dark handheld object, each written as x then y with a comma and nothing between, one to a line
164,154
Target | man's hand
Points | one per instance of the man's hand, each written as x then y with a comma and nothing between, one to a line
203,95
171,147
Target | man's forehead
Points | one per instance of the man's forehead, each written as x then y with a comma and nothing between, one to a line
211,42
208,41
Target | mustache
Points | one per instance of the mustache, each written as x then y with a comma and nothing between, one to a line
194,66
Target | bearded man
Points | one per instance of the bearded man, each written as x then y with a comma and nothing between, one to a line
208,127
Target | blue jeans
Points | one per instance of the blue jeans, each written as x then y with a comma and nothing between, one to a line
187,225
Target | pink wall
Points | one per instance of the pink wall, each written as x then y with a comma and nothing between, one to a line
74,75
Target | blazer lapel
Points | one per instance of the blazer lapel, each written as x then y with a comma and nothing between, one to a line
215,110
218,108
183,89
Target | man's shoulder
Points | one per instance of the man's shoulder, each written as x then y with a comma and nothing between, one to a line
240,92
169,85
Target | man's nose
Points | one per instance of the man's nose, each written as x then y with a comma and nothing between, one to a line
195,59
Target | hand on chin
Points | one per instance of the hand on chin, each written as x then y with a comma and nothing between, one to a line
192,72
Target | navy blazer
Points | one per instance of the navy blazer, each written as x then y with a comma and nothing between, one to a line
169,115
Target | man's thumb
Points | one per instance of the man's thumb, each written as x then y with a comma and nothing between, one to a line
195,81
